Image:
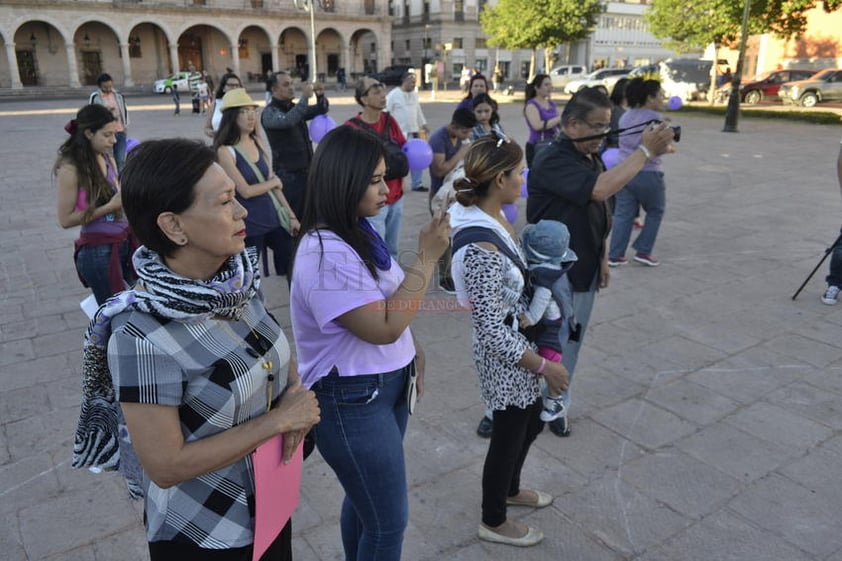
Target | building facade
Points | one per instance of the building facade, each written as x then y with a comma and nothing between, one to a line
621,39
64,43
449,32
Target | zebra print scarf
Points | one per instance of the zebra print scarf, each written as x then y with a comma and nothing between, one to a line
102,441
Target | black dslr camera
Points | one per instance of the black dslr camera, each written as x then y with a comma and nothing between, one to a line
676,130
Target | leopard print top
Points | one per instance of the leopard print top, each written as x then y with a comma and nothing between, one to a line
495,286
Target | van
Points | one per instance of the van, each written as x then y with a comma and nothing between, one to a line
687,78
561,75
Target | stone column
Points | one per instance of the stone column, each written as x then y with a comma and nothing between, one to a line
174,58
346,62
72,65
127,65
235,61
11,54
276,59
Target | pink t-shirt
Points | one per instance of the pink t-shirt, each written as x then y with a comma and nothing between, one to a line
327,281
110,101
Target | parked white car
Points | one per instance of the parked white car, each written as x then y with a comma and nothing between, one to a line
605,77
184,80
562,75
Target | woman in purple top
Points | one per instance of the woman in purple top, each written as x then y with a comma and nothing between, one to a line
351,306
243,156
89,196
647,189
477,85
542,116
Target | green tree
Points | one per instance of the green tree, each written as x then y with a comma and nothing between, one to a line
687,26
533,24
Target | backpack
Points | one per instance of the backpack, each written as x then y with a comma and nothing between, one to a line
397,164
475,234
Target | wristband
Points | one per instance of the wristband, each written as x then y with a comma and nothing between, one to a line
543,365
645,151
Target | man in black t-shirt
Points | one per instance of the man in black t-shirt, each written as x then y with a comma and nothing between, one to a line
568,182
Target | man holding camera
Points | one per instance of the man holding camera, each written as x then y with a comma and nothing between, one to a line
834,278
568,183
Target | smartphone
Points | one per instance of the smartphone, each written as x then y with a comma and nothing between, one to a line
448,200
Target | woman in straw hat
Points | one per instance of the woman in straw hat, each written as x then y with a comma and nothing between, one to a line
243,155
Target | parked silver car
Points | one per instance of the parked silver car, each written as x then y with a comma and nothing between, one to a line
825,85
562,75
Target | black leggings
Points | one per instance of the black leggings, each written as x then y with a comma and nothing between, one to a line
280,550
515,430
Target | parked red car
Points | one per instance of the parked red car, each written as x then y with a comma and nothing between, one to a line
766,86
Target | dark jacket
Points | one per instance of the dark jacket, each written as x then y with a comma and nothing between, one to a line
285,123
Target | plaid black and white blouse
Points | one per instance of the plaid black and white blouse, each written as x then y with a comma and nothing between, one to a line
204,369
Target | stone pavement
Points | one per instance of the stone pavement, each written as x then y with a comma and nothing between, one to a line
707,422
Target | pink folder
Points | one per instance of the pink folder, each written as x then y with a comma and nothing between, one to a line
277,487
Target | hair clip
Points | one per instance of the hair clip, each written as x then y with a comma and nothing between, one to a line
465,190
70,127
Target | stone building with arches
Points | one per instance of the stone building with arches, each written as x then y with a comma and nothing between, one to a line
68,43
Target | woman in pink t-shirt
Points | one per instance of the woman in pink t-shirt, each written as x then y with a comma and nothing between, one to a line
351,306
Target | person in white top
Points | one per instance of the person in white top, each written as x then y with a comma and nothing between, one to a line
405,108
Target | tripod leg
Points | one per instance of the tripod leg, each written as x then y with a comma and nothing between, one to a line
827,252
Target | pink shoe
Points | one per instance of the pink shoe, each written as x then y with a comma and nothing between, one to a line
644,259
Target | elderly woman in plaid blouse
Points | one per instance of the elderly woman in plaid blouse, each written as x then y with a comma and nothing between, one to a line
201,370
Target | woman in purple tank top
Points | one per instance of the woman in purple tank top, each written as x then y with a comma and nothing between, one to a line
542,116
243,156
89,196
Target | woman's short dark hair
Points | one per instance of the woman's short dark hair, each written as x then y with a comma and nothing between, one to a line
220,90
340,174
485,159
639,90
582,103
160,176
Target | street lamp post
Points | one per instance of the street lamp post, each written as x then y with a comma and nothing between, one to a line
732,114
308,5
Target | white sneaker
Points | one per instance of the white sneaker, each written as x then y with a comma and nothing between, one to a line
830,295
553,409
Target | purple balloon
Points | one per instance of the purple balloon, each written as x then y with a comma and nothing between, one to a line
611,157
419,153
320,126
510,210
131,144
524,192
674,103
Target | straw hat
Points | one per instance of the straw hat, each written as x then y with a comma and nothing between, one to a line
237,98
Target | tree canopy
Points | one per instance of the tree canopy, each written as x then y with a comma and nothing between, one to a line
693,25
529,24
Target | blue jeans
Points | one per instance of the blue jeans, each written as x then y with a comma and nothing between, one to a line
582,307
120,150
92,265
388,225
416,175
360,436
835,276
647,190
